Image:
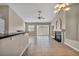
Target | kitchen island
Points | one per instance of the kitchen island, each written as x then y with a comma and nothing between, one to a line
6,35
13,44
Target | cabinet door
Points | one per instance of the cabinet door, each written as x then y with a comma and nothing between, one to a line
13,47
5,47
2,25
21,43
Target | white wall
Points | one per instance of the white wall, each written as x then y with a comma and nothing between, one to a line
77,21
71,23
72,27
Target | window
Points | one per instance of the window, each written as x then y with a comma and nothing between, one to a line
30,27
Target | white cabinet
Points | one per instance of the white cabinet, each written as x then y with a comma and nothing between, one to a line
5,46
2,25
13,47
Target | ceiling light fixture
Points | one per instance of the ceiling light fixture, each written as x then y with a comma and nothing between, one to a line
61,7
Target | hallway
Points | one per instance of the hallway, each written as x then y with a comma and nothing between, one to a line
43,46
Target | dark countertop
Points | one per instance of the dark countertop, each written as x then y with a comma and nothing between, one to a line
6,35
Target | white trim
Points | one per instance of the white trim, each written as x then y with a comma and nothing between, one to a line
24,49
71,46
52,36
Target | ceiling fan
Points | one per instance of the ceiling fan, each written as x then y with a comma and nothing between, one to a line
39,15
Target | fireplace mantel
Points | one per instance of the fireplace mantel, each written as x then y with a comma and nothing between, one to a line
58,30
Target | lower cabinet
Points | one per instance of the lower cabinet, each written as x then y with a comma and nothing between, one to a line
13,46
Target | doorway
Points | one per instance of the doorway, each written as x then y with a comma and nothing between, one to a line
42,30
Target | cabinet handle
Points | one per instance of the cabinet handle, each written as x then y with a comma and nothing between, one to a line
11,38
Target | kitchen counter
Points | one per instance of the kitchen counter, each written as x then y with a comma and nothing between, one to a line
6,35
14,44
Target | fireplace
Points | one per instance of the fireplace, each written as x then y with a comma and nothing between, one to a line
58,36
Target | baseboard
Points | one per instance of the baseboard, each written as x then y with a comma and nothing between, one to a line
25,49
71,46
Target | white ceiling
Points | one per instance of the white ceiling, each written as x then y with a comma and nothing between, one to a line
29,11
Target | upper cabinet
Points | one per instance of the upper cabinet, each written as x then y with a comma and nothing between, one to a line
16,23
4,14
2,27
10,21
